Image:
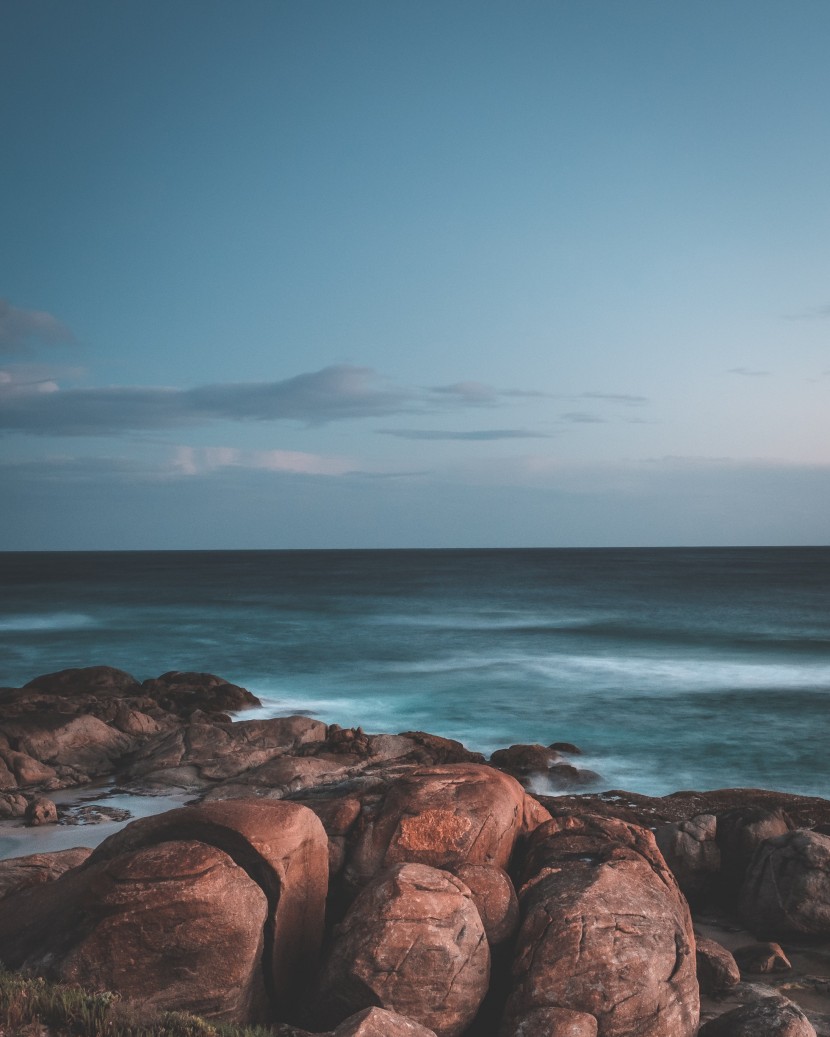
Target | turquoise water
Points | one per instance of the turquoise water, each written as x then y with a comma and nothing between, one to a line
698,668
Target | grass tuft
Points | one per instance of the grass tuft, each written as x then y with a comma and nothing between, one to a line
33,1007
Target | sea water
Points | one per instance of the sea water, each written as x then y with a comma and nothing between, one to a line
671,669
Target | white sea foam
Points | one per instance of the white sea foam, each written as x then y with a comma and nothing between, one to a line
502,621
669,675
46,621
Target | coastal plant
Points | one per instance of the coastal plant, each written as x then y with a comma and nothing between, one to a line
34,1007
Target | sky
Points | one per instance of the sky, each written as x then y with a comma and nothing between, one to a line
414,273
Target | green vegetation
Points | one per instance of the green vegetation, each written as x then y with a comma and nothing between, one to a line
32,1007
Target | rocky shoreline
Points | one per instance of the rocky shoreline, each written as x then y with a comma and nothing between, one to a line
325,880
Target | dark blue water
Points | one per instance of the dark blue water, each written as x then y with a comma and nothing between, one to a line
697,668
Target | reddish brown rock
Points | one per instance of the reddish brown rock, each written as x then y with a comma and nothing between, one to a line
241,870
27,771
86,680
787,887
605,933
432,750
41,811
442,816
691,851
523,760
534,815
378,1022
539,763
338,816
157,927
771,1017
283,846
18,873
75,748
760,959
412,942
495,898
203,753
551,1022
135,722
741,831
181,692
12,804
804,811
717,970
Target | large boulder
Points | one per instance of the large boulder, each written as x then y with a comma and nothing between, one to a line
283,846
787,887
251,876
740,831
442,816
770,1017
182,692
157,925
606,946
412,942
691,850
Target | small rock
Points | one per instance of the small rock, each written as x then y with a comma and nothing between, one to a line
717,970
772,1017
378,1022
565,747
761,958
41,811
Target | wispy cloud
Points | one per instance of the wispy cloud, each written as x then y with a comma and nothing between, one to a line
481,395
332,394
615,397
20,329
190,460
749,372
337,393
474,434
581,417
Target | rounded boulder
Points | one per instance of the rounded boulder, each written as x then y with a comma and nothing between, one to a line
413,943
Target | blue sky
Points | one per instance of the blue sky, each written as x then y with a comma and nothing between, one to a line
326,274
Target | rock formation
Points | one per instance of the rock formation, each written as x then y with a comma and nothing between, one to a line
606,944
412,942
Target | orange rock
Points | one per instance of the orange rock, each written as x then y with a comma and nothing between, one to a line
442,816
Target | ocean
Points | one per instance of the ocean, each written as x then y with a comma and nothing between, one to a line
671,669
